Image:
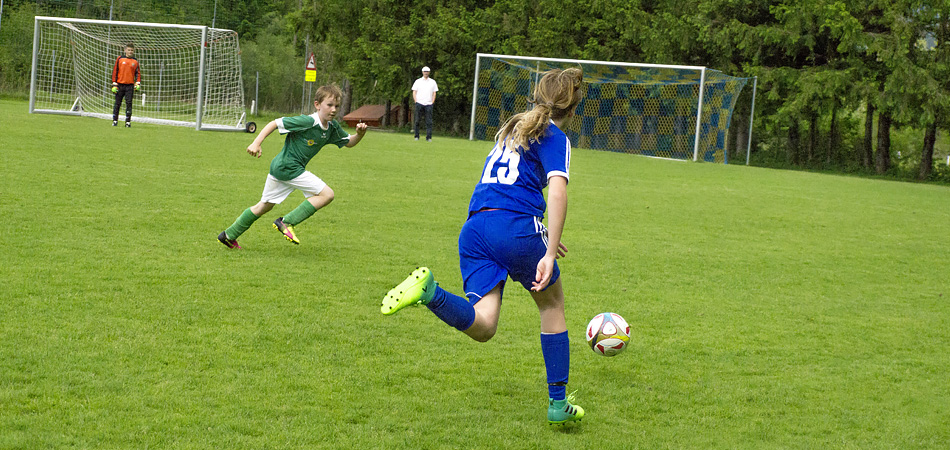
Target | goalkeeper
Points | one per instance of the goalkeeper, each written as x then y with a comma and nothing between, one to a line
126,77
306,135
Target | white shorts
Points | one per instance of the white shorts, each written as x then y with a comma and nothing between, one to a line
275,191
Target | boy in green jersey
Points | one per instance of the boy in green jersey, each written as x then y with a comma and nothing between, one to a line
306,135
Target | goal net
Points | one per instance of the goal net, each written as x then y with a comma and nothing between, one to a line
677,112
191,75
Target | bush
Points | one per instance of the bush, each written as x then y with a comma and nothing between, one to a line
16,50
941,172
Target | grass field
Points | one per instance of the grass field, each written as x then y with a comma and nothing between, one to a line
770,309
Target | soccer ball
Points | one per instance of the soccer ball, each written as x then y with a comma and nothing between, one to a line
608,334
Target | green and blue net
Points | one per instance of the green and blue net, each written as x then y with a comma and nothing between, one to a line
648,111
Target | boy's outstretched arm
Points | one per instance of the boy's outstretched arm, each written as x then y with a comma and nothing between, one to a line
355,138
255,148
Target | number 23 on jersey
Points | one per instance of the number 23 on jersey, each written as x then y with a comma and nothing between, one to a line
502,166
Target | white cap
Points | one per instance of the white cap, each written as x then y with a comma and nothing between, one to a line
425,69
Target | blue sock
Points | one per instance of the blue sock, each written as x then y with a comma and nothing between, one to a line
452,309
557,360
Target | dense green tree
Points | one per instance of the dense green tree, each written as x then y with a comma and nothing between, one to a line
16,47
825,67
929,51
382,46
803,59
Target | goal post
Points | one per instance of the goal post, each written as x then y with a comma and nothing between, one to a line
666,111
191,74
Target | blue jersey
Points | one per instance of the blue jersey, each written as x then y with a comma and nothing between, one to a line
514,181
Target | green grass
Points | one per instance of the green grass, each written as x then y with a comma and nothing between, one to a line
770,309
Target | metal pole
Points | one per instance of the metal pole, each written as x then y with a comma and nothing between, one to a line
1,11
215,14
161,73
36,47
201,79
537,74
699,114
748,149
471,127
303,89
52,74
257,86
109,33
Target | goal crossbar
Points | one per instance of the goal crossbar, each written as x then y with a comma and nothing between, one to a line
119,23
585,61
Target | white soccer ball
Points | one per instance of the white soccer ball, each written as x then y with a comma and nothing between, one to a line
608,334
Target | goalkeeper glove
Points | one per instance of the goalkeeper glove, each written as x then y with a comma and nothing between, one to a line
137,86
115,90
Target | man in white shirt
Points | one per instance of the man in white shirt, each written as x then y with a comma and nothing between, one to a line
423,93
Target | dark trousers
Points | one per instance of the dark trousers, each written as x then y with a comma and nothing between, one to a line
418,115
125,90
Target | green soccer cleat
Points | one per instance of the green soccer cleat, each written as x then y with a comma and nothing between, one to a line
287,230
418,288
562,412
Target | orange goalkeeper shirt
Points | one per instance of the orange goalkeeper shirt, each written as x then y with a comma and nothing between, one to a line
126,71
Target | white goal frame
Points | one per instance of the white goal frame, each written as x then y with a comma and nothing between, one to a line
229,117
700,69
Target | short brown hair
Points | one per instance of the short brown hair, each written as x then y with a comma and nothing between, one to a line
329,90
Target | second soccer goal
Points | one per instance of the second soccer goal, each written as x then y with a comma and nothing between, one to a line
191,75
675,112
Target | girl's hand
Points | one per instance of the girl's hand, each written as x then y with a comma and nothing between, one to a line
561,250
543,276
254,149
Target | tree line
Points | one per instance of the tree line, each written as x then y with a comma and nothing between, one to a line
839,81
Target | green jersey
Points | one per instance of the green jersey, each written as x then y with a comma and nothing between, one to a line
305,137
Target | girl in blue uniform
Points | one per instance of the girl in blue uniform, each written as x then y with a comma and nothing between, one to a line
504,235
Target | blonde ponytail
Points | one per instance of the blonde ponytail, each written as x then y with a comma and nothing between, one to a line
555,97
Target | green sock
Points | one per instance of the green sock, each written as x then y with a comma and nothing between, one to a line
300,214
243,222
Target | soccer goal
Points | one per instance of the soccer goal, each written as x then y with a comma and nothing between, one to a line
675,112
191,75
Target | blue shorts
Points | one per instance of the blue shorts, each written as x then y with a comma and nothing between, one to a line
496,244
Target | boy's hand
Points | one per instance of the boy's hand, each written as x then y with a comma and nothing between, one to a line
115,90
137,86
254,149
361,129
